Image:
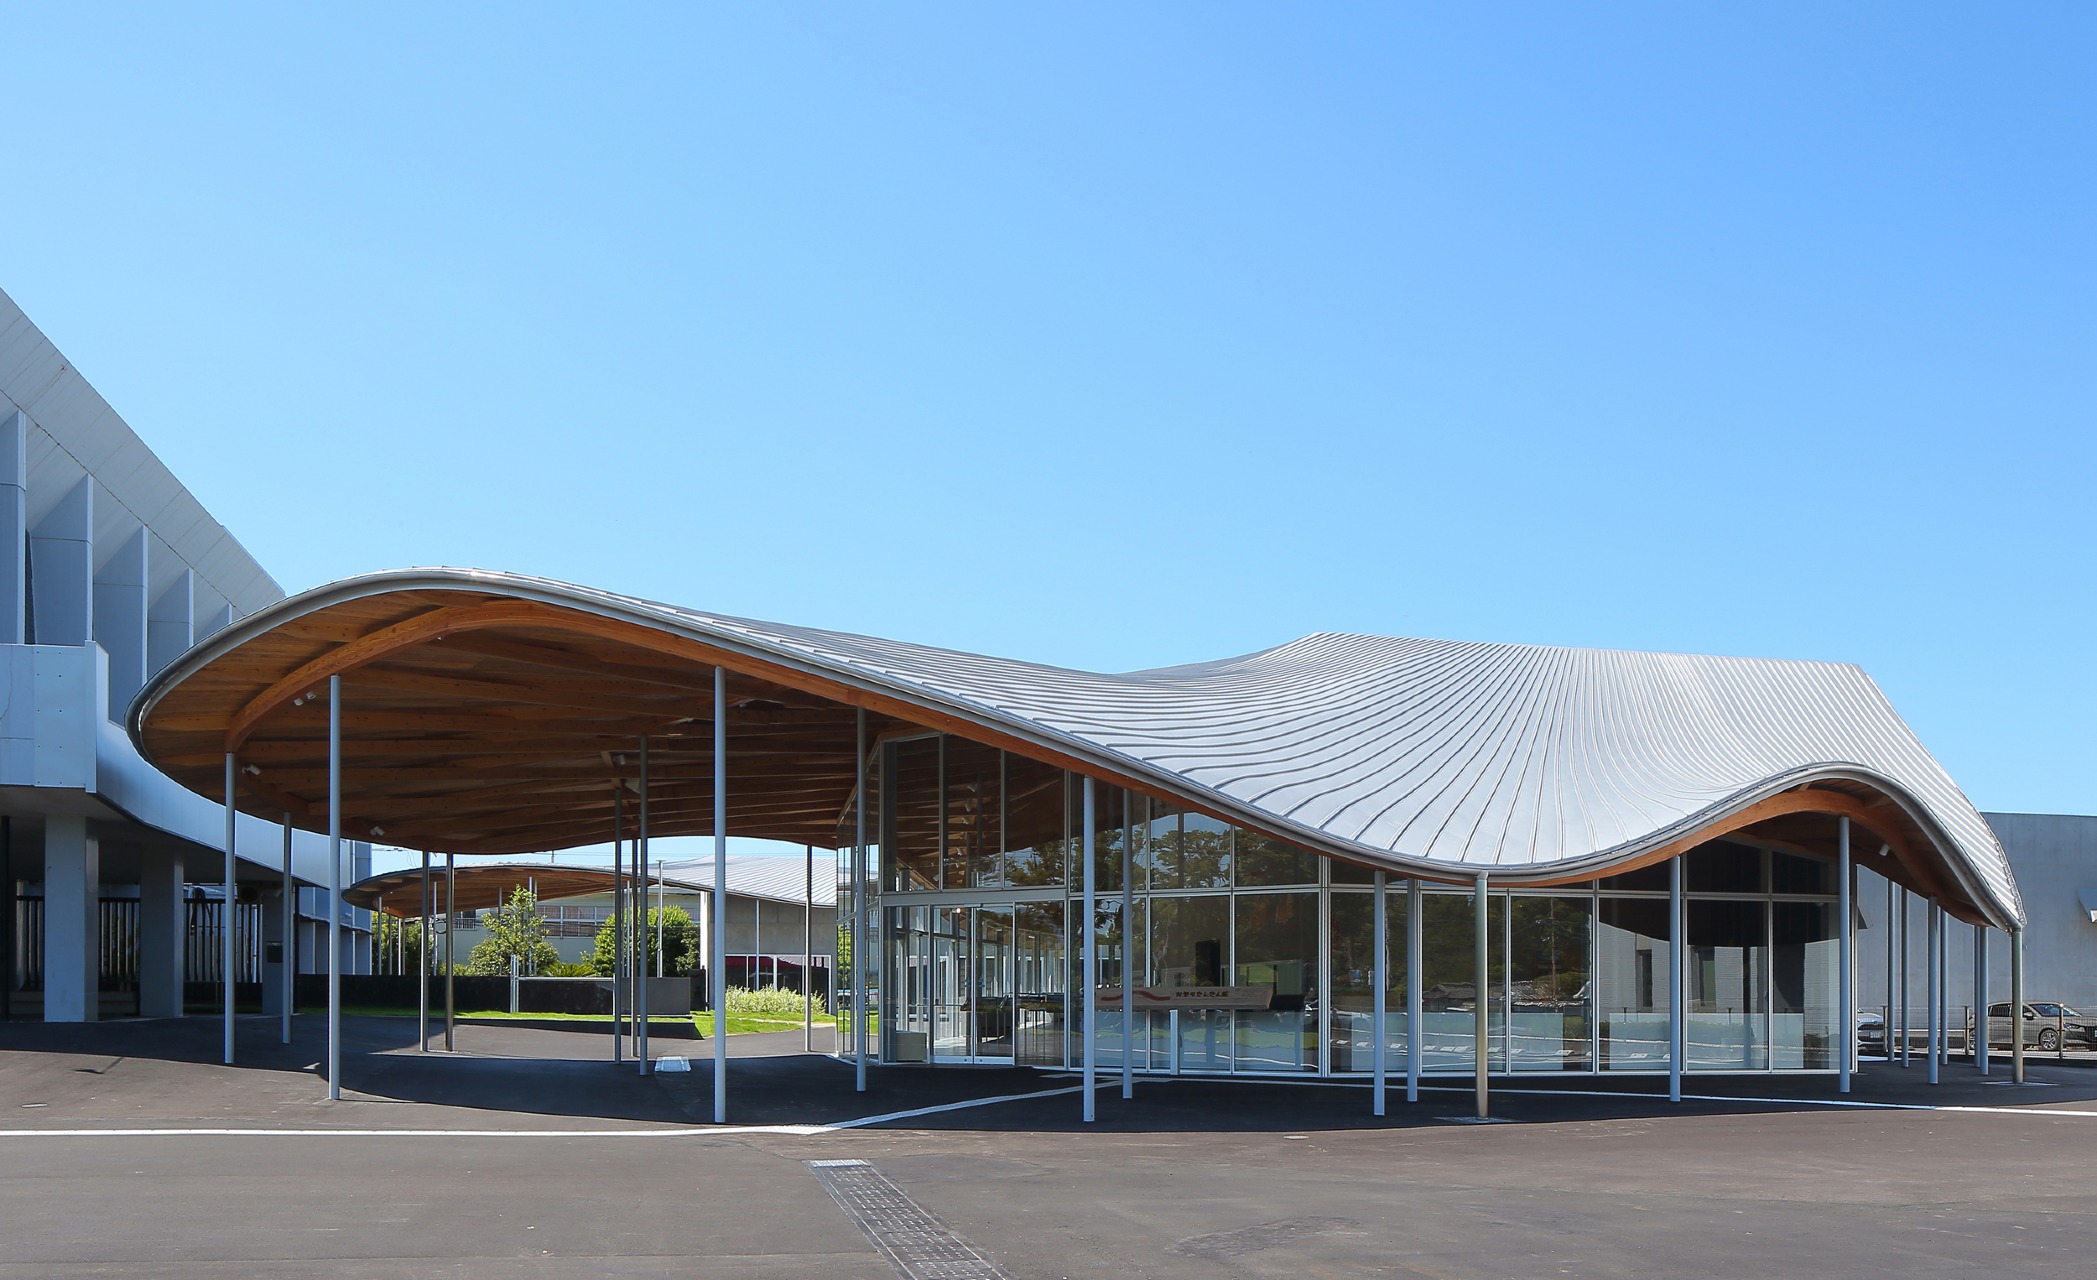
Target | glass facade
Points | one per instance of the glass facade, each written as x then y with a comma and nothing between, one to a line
1232,952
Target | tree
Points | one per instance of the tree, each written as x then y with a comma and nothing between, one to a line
680,941
515,929
387,931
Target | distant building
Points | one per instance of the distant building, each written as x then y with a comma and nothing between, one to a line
769,931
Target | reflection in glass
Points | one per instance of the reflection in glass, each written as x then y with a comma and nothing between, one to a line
1354,980
1790,873
1548,1022
1631,983
1113,956
1728,973
910,786
1805,968
1043,995
1263,861
1276,947
1187,850
1037,826
1722,867
974,829
1448,993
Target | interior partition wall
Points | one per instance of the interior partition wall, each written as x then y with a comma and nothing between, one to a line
1230,952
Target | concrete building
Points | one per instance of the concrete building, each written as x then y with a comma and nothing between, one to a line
2055,860
109,570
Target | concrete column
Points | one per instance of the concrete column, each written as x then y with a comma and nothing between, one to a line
211,621
170,624
275,952
61,552
14,527
120,617
72,921
163,937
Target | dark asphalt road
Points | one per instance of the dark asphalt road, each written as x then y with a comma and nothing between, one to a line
1191,1179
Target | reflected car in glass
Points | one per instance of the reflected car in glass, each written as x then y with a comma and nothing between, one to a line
2048,1025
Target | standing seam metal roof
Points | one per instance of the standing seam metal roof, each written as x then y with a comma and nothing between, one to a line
1442,755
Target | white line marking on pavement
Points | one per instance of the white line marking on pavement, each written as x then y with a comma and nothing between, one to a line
1851,1103
695,1131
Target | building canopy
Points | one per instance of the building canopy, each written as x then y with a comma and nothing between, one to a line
490,713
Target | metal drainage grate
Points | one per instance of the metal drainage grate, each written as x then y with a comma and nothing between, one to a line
910,1236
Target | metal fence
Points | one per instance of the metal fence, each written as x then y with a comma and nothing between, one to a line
203,960
203,952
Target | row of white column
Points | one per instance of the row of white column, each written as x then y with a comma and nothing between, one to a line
716,968
715,945
1677,984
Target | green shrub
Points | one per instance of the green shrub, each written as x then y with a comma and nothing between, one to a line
777,1002
563,969
680,939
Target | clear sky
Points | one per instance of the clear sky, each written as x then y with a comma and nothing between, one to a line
1121,336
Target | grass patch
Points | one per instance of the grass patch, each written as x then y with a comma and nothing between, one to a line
437,1014
746,1023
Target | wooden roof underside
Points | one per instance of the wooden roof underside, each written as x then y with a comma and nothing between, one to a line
508,739
399,893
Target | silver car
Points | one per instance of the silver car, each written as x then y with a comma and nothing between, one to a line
2048,1025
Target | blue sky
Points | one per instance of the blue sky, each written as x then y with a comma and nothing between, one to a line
1118,336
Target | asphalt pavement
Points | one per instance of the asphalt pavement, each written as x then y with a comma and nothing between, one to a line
131,1151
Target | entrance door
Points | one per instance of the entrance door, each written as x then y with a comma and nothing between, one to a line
973,984
992,1009
951,953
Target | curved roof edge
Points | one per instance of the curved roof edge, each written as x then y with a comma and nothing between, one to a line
1421,757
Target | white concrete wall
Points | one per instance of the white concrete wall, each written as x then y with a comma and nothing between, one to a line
2054,857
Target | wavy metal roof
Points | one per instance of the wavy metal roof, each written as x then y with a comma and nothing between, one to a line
1436,756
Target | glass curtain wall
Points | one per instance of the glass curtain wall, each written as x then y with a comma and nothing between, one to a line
1231,952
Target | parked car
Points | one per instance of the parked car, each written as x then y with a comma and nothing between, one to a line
1871,1032
2048,1024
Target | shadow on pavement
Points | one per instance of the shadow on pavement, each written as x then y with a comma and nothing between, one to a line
137,1071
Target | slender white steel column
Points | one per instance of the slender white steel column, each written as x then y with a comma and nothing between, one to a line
1904,948
2017,1004
622,956
1128,948
451,951
287,971
1482,1005
1886,1030
858,865
1414,989
1933,982
1379,978
717,977
425,964
1943,986
225,948
1677,1017
1846,1014
334,887
1090,924
1980,1045
808,955
640,968
1507,982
